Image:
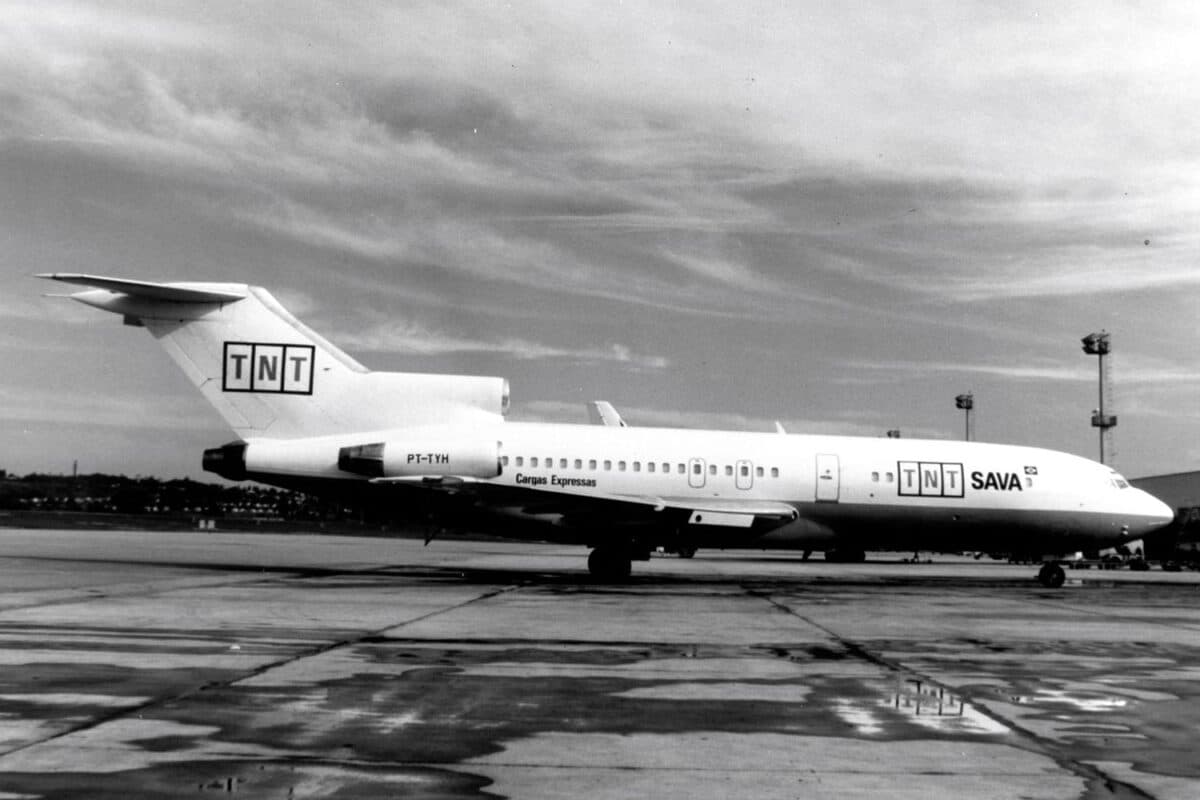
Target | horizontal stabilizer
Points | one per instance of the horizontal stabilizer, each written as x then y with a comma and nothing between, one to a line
169,292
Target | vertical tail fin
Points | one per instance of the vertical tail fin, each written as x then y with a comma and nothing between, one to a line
269,375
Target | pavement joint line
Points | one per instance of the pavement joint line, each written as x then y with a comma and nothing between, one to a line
99,593
1089,773
129,711
169,585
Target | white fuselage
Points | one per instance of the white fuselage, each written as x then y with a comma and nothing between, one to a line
882,492
846,491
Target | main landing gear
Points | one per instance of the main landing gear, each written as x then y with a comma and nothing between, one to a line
610,563
1051,575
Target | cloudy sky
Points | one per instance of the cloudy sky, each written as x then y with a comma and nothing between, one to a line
838,216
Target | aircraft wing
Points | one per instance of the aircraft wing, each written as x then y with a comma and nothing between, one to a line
615,508
731,513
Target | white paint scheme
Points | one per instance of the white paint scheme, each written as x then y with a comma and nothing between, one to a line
594,483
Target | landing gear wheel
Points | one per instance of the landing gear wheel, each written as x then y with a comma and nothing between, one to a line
1051,575
609,564
686,552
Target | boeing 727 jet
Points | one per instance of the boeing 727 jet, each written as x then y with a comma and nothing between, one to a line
308,416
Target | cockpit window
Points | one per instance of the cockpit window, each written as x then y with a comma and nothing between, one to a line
1119,481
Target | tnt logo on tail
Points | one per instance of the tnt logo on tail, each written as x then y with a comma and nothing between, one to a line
271,368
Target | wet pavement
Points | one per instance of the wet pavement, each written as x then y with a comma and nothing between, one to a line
162,665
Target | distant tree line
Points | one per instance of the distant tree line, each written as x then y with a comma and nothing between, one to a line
100,493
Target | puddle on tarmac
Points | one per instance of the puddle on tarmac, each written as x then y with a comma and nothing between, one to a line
722,691
74,699
1089,703
916,702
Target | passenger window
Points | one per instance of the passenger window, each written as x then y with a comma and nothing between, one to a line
504,461
591,463
650,467
712,469
607,465
695,468
745,471
520,461
875,477
728,470
682,470
562,463
621,466
579,463
637,466
774,472
533,461
758,472
667,467
890,477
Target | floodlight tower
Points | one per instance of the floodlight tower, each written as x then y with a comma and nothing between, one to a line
1097,344
966,402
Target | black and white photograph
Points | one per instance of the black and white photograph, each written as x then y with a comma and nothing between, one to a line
542,400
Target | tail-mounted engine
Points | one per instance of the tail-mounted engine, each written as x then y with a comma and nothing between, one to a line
327,457
466,459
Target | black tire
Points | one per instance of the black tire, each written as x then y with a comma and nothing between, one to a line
1051,575
609,564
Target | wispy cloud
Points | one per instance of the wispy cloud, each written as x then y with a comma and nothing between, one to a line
396,336
809,182
642,416
1142,374
116,410
1025,372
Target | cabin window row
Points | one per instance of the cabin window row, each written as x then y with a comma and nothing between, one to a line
888,477
637,466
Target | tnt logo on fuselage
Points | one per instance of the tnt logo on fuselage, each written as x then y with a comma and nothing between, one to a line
272,368
930,479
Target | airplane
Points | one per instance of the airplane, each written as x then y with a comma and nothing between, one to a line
309,417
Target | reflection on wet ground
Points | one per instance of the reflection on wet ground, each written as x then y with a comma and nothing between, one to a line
397,670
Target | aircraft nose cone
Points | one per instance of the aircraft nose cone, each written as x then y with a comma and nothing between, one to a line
1159,512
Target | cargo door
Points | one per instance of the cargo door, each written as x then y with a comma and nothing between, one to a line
829,478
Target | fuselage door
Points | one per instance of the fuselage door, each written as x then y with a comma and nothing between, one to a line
744,475
696,473
829,478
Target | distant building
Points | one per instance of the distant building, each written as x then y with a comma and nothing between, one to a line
1178,490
